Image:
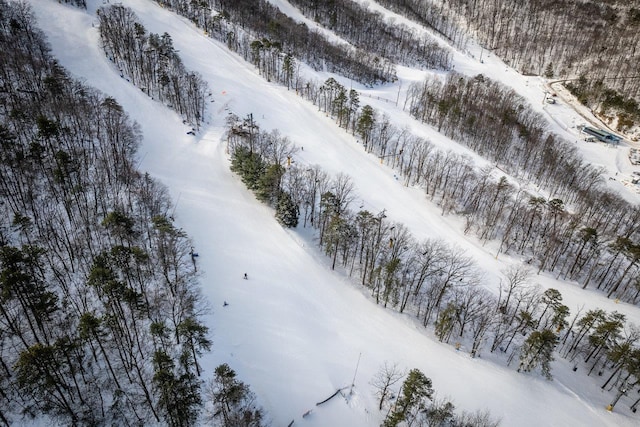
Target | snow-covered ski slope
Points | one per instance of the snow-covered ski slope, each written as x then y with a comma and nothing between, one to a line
295,330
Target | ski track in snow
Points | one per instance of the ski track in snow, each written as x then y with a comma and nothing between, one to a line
294,330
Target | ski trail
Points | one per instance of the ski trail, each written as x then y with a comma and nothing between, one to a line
581,401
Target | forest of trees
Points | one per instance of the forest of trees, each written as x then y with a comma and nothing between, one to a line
258,29
433,15
99,299
569,38
151,63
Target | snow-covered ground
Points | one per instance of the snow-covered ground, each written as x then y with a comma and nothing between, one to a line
295,330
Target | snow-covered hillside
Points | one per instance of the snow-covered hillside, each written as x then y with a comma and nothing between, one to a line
295,330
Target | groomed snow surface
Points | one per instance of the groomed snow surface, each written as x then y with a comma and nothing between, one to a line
295,330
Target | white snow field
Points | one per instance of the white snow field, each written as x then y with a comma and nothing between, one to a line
295,330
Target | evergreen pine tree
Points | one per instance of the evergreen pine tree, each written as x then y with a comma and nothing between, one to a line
178,392
416,390
446,322
268,186
249,165
548,71
365,124
195,335
287,212
538,351
232,400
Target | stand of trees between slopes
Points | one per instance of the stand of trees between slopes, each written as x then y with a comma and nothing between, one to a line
393,41
99,300
151,63
256,29
435,282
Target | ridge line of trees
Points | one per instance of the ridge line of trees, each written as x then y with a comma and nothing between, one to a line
82,4
150,62
438,17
